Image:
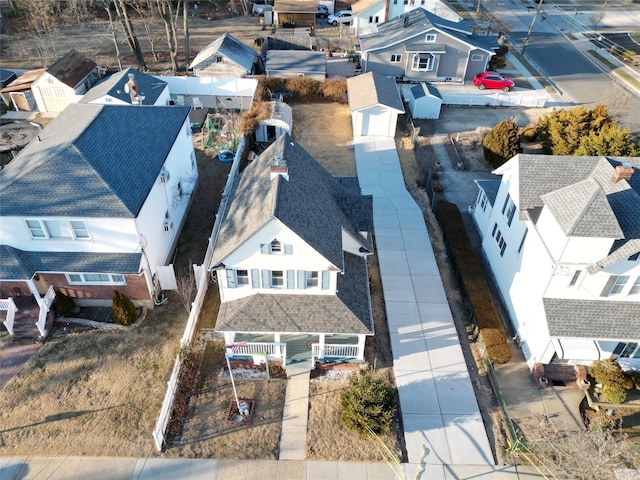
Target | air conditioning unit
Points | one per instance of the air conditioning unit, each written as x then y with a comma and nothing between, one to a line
167,225
164,176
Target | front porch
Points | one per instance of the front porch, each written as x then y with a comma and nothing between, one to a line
299,350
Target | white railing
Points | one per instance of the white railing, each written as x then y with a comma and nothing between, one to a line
45,305
8,305
249,348
333,351
190,329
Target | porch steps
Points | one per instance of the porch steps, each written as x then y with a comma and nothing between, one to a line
24,325
298,355
569,375
293,435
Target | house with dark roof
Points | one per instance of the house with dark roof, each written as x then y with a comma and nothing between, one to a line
375,103
65,82
562,237
291,261
421,46
225,57
296,63
129,87
95,203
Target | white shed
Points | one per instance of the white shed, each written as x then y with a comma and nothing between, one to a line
278,123
375,103
424,100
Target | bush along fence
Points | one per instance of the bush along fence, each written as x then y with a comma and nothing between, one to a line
159,432
479,303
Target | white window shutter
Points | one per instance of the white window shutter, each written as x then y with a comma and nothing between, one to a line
266,279
302,277
291,279
255,278
264,248
288,249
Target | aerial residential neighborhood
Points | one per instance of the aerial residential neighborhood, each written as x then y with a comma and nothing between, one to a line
320,239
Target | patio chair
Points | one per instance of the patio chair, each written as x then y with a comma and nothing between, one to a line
197,103
180,100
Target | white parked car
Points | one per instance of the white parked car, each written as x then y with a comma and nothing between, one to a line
343,16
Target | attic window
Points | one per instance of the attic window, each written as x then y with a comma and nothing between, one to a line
476,57
275,247
218,59
430,37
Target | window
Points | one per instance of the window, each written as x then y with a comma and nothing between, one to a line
275,247
508,209
618,285
396,58
422,2
635,288
634,257
218,59
483,201
422,62
502,245
242,277
311,279
57,229
79,229
631,350
476,57
524,237
277,279
574,279
430,37
95,279
36,229
495,228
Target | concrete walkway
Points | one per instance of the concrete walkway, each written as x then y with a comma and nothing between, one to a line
441,419
293,436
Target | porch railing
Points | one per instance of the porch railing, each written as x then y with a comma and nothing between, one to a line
272,349
333,351
8,305
45,305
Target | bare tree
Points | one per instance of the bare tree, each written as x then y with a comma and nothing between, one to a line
595,20
130,34
618,101
112,28
147,15
41,17
186,287
170,20
185,14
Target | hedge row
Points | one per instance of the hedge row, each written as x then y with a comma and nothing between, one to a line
473,283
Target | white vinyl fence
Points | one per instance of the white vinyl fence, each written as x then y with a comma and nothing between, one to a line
189,331
497,99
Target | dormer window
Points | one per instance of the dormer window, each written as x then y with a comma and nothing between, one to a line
275,247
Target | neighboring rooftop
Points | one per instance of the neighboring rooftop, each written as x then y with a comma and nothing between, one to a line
94,160
229,47
72,68
302,61
373,89
116,86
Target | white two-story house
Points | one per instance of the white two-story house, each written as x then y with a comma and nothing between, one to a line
562,237
95,203
291,262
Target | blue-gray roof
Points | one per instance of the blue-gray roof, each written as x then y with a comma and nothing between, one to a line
373,89
114,86
229,47
490,189
18,264
91,161
296,61
312,203
417,22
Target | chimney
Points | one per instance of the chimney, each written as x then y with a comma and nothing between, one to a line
132,88
279,167
406,20
622,172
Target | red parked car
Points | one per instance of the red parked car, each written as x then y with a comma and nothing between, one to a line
492,80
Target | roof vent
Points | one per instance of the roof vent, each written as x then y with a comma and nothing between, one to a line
279,167
622,172
406,20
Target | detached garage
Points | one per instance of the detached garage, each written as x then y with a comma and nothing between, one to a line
424,100
295,13
375,103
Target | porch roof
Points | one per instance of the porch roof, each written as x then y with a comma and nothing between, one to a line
594,319
17,264
349,311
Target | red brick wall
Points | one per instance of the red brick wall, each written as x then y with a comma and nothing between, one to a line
8,289
135,289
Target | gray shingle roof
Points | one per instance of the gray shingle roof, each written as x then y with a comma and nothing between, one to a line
420,21
302,61
229,47
91,161
594,319
373,89
114,86
347,312
309,203
490,188
22,265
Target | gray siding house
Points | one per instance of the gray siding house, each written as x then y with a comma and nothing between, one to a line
225,57
420,46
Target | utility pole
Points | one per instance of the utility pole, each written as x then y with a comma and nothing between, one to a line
533,22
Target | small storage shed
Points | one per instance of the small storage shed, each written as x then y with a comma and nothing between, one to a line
19,93
295,13
225,57
279,122
375,103
424,100
296,63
